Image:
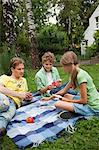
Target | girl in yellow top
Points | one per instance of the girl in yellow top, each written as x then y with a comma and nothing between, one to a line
15,87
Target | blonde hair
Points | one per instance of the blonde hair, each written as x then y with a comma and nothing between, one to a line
70,58
15,62
48,56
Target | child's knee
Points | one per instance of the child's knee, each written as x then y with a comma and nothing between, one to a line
4,103
57,104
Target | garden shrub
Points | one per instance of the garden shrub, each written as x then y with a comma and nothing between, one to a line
52,38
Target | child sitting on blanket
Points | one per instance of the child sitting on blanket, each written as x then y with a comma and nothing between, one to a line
47,76
88,101
15,87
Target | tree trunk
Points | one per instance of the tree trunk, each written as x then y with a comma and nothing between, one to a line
70,33
31,33
1,24
9,25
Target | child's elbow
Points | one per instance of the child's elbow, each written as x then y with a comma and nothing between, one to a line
84,101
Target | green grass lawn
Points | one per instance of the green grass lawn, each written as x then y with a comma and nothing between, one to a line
86,136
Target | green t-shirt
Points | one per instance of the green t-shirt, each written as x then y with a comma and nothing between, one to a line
41,78
92,93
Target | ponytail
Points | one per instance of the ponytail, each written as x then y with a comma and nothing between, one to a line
74,78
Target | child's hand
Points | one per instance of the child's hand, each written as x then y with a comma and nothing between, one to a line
29,96
63,99
60,97
48,98
50,87
57,96
25,95
57,83
45,99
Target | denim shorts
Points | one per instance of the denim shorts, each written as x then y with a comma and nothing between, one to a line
84,109
6,116
76,97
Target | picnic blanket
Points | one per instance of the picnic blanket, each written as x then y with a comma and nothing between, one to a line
46,126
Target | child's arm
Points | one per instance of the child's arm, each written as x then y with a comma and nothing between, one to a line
83,94
8,92
48,98
51,97
65,89
45,89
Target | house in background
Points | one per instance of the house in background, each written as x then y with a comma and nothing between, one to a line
89,32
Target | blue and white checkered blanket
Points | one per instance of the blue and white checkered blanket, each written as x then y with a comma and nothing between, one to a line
47,125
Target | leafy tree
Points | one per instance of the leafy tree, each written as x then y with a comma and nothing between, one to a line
70,20
52,38
22,43
40,11
20,19
2,36
30,15
5,57
9,26
87,7
74,17
94,48
96,36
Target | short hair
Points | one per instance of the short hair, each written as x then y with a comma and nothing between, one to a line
15,62
48,56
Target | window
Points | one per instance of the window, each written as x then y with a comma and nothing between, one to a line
97,22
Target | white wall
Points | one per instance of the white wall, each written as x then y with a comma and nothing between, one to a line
89,33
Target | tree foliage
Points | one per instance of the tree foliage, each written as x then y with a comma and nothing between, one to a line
74,17
2,36
8,23
87,7
52,38
40,11
96,36
94,48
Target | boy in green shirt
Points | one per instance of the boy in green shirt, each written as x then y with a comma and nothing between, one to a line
47,75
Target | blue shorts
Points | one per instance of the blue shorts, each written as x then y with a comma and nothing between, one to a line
84,109
76,97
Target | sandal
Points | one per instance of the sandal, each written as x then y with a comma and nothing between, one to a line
67,115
